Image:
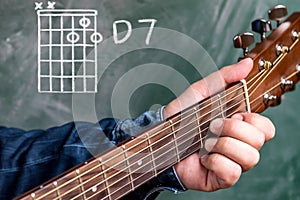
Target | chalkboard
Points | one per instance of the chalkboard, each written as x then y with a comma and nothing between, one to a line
211,23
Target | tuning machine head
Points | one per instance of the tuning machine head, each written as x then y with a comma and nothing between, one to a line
287,85
277,13
243,41
261,26
271,100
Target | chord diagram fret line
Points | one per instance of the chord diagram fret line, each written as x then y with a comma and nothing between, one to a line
58,61
67,45
68,76
65,29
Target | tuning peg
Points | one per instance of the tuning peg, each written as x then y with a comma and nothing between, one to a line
287,85
278,13
271,100
261,26
295,35
243,41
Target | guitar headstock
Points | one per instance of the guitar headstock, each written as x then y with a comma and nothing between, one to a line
276,59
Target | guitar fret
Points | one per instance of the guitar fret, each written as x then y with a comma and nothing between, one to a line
56,189
81,183
105,179
199,127
175,140
151,152
220,105
116,172
128,167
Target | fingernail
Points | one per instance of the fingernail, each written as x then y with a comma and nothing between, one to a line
238,116
210,143
216,126
244,60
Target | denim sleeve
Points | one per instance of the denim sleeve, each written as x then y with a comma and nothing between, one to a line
29,158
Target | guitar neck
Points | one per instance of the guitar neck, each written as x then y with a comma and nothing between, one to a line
122,169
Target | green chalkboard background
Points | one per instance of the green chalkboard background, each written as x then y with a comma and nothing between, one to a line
212,23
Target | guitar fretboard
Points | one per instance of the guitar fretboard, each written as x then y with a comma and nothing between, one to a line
129,165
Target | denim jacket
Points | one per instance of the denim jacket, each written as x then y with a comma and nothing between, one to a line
29,158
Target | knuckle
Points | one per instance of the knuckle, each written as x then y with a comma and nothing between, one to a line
200,90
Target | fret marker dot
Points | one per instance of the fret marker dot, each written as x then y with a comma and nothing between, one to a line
94,189
140,162
32,195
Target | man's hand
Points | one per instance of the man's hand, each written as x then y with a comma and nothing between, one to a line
240,137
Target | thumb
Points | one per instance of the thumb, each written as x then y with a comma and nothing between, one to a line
237,71
210,85
218,80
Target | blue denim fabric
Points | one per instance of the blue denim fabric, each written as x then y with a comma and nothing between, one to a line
29,158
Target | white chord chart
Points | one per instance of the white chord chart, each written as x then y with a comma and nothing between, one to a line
65,38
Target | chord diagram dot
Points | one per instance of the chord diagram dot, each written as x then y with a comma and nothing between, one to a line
96,38
73,37
85,22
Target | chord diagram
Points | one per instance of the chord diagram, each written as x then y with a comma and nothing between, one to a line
65,39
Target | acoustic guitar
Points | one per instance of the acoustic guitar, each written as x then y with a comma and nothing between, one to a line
122,169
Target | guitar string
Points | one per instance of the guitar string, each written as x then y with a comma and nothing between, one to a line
111,177
156,158
151,144
183,151
145,164
173,124
289,77
195,128
278,61
258,79
139,177
150,162
205,130
268,72
158,133
276,86
181,143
